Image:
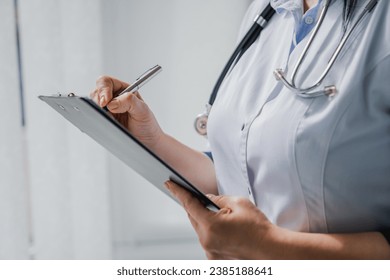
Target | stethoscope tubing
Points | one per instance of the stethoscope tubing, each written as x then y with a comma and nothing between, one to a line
253,34
250,37
331,90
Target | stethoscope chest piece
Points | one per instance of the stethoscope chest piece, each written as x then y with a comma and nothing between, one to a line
201,121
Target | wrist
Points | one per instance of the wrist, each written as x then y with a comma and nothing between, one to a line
265,244
270,242
160,143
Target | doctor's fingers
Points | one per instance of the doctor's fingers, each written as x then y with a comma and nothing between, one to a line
232,204
213,256
106,88
128,102
195,209
217,256
95,96
224,202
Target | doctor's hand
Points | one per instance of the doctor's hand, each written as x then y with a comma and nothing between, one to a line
238,231
129,109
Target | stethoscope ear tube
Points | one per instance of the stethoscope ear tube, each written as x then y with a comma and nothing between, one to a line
238,52
250,37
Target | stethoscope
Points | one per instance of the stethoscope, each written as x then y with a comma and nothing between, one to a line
259,24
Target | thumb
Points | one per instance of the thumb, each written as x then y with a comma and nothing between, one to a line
222,201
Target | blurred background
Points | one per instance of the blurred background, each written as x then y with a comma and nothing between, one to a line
62,196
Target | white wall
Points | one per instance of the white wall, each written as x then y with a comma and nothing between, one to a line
72,200
69,191
14,233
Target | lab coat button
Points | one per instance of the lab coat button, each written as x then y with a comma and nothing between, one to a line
242,127
309,20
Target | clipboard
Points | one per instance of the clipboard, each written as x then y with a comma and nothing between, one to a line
109,133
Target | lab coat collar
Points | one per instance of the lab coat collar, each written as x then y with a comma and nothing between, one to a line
292,8
284,6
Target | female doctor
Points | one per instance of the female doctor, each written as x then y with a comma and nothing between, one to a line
297,173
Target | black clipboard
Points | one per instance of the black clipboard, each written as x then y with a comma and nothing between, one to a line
105,130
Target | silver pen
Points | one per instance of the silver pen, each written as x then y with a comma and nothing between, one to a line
143,79
140,81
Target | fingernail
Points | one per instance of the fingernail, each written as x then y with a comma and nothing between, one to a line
225,211
169,187
113,104
102,100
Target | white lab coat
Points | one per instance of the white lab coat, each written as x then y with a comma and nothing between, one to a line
313,165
